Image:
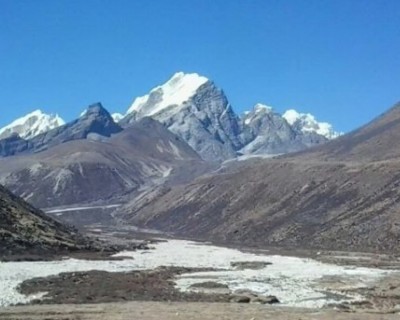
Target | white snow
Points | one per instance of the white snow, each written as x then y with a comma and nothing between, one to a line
292,280
256,156
60,210
259,110
117,117
14,273
176,151
177,90
60,179
35,168
32,124
259,107
308,123
166,172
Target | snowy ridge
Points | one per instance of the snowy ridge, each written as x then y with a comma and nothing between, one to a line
259,110
259,107
31,125
177,90
194,108
307,123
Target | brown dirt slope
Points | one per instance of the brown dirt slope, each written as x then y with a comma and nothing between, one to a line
344,195
26,230
99,169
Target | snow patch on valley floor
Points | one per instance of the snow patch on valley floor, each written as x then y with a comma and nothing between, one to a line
61,210
292,280
14,273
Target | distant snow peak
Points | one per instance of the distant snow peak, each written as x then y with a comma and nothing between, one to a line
117,117
259,107
292,116
307,123
31,125
177,90
259,110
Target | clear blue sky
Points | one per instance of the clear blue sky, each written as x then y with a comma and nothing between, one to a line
339,59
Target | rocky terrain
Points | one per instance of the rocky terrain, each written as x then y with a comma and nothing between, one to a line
99,168
26,231
83,287
199,112
342,195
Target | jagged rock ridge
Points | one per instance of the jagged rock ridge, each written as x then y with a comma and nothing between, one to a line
195,109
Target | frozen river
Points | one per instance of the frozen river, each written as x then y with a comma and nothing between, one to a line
295,281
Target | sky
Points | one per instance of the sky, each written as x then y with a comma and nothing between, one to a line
339,59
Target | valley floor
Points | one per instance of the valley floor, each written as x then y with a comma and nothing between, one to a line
160,281
177,311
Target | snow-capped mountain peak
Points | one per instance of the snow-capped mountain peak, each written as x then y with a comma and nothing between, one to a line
259,110
177,90
259,107
117,117
308,123
31,125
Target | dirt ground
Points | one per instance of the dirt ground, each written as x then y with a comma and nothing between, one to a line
178,311
103,287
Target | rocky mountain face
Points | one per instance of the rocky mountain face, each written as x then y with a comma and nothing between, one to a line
31,125
263,131
91,165
26,230
95,123
192,107
178,131
341,195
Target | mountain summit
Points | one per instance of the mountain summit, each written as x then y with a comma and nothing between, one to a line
307,123
31,125
177,90
195,109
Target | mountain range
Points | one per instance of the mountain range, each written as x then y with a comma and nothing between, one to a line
195,109
69,164
31,125
183,162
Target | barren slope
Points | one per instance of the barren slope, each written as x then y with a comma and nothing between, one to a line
24,229
98,169
344,195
